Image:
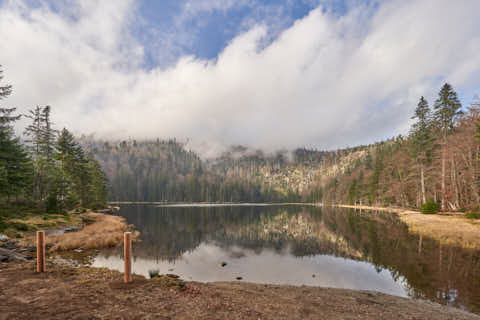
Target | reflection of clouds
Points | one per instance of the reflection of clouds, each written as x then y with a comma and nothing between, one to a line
203,264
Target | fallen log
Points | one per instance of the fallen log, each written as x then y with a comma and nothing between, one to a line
12,254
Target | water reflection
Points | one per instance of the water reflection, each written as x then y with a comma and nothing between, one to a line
300,245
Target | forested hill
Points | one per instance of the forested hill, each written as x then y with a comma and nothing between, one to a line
164,170
438,163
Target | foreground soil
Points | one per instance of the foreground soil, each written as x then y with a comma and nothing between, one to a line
447,229
92,293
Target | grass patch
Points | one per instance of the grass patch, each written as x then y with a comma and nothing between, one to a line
15,218
430,207
167,280
472,215
105,231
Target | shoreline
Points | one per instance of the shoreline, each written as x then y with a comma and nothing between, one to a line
447,229
192,300
66,292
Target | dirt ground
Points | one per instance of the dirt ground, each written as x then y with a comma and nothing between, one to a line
447,229
92,293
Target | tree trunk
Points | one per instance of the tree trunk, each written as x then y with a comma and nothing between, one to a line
443,177
422,182
455,184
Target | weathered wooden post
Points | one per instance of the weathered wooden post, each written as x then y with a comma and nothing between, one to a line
40,251
127,255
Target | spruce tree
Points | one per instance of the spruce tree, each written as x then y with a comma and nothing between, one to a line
41,136
422,140
447,110
99,184
15,165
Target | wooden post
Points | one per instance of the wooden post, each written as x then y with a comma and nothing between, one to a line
127,255
40,251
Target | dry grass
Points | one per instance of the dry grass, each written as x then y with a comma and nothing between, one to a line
449,230
446,229
105,231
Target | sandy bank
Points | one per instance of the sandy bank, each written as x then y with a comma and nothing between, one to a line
448,229
91,293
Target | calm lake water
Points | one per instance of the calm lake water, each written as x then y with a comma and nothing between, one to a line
299,245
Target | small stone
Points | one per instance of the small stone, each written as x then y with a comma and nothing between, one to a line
71,229
10,245
174,276
223,264
313,276
3,237
239,278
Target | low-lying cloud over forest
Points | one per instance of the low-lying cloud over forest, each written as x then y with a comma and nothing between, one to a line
328,80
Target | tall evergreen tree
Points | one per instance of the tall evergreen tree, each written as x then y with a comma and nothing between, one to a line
41,136
422,140
15,165
99,184
447,110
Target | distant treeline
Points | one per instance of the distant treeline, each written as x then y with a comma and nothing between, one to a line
163,170
47,169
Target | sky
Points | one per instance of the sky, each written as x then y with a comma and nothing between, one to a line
267,74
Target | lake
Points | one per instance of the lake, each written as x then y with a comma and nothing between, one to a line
299,245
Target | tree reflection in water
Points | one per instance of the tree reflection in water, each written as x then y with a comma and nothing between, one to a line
445,274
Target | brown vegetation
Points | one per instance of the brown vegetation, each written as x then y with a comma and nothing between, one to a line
454,230
447,229
103,231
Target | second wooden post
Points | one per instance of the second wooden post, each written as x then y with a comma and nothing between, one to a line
127,254
40,251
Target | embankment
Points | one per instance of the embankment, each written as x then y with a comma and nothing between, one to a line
92,293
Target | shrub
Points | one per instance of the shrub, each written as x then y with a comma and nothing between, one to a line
3,225
51,204
20,226
154,273
430,207
472,215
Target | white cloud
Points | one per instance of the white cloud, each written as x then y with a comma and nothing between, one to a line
326,81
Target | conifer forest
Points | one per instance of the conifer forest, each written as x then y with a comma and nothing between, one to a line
45,168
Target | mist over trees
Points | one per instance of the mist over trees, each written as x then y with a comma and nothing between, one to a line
48,170
163,170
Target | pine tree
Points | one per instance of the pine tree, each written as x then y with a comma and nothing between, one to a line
41,137
15,165
447,110
99,184
6,90
422,140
